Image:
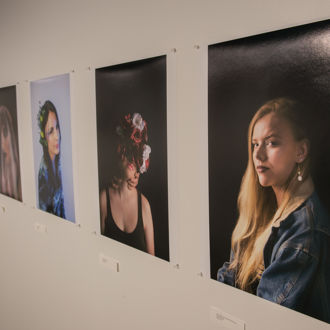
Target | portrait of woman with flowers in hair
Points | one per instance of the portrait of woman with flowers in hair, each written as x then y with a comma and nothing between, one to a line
49,178
125,212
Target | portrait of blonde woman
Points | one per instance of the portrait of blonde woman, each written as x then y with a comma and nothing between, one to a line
10,183
269,166
281,242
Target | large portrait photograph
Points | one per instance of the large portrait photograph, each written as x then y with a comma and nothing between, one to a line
51,128
10,174
131,103
269,166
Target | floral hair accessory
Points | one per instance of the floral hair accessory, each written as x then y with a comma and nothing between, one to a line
138,122
145,157
133,140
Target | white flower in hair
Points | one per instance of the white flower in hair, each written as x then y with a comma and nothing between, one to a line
145,157
137,121
146,152
143,168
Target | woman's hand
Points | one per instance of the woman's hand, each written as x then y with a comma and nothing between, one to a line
132,183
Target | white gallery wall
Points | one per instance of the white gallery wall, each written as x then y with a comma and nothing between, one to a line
58,275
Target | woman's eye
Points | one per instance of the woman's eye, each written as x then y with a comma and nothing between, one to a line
271,143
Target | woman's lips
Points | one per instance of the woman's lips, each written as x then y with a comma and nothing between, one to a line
262,169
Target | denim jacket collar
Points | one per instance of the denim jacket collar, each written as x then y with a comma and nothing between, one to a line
303,192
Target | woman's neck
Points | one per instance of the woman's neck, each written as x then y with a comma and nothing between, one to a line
52,161
294,200
123,191
279,194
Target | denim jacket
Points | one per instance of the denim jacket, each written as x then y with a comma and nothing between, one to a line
296,261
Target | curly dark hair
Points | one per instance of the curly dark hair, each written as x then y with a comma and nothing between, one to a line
132,141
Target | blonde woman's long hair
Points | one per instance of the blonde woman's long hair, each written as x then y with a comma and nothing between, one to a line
257,204
10,178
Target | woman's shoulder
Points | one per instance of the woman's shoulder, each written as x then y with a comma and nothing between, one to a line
144,201
306,229
319,213
146,209
104,194
103,202
310,218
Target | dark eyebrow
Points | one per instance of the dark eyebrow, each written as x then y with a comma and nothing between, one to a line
269,137
272,136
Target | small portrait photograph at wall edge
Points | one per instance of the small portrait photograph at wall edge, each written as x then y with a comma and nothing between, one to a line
131,104
269,166
10,174
51,129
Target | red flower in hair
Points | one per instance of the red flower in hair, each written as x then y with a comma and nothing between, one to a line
133,138
136,135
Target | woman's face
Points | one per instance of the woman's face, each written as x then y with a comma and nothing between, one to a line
275,150
130,174
52,133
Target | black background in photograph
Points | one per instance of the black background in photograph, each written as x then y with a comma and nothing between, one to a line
242,75
137,87
8,99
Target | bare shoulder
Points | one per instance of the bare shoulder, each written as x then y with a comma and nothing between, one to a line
103,203
148,225
145,203
146,211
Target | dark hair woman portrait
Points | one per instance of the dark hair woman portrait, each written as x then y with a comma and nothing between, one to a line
49,178
10,183
125,212
281,242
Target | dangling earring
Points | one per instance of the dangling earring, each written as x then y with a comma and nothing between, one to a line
299,174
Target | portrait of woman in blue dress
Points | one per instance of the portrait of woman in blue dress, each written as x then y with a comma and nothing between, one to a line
49,178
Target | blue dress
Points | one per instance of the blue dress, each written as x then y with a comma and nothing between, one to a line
50,196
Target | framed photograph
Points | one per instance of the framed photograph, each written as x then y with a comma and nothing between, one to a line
51,128
266,94
132,154
10,183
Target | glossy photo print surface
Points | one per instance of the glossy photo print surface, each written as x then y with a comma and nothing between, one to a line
10,175
132,154
51,128
269,164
